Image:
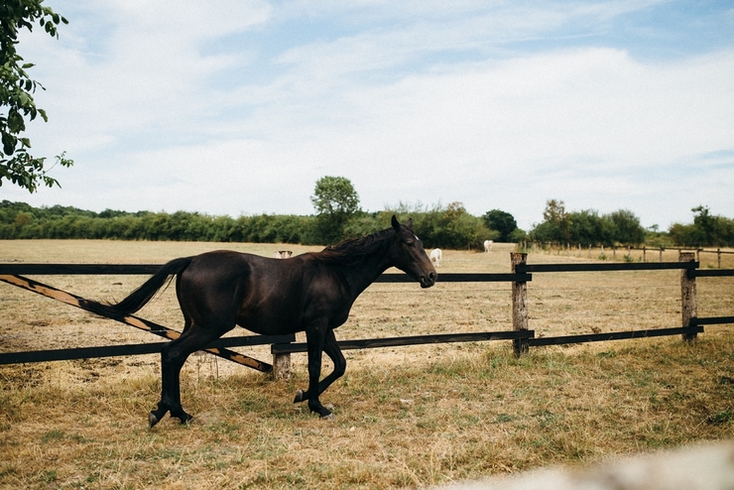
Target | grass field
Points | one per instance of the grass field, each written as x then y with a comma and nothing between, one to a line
405,417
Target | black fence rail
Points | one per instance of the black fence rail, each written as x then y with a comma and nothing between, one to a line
149,269
282,346
607,267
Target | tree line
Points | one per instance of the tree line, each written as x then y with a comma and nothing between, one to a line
449,226
441,226
706,230
588,227
622,227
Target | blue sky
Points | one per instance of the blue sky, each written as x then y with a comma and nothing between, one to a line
236,107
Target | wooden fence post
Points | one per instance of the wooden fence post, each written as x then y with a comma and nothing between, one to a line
688,294
519,305
282,366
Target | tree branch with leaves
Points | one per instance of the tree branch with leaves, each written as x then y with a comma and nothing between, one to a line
17,106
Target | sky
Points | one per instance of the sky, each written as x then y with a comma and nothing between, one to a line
235,107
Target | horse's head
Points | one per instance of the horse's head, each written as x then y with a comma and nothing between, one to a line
408,255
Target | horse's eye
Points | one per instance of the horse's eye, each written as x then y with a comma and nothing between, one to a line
409,242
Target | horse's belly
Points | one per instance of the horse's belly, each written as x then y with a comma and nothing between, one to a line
270,324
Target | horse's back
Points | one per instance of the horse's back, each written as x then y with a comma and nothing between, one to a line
261,294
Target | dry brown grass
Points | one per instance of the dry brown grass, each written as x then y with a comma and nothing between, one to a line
406,417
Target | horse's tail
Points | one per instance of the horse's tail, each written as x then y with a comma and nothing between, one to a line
142,295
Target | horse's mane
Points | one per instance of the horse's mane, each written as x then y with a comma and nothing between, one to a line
351,251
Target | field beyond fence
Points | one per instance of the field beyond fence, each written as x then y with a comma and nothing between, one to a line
406,416
710,256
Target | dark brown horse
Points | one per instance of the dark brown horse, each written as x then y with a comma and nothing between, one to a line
312,292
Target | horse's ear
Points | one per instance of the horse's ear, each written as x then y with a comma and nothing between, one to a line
409,224
395,223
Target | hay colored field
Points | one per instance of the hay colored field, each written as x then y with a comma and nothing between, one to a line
406,417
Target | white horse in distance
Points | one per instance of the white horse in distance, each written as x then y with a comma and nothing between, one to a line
488,246
436,256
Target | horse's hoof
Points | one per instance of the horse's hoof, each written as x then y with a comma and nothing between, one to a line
299,396
184,418
152,420
328,416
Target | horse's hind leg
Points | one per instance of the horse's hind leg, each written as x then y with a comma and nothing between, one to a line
331,348
173,357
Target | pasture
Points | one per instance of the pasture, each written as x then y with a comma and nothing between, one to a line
405,417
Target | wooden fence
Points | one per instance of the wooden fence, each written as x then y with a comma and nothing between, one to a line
644,253
282,346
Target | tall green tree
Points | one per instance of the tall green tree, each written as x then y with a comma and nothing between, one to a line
17,106
706,230
706,224
335,195
336,201
627,227
502,222
556,225
588,228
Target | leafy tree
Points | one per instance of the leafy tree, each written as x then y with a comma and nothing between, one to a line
706,224
450,227
335,195
588,228
556,224
336,201
627,228
16,95
367,223
517,236
706,230
502,222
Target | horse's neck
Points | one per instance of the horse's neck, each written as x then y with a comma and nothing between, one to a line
359,277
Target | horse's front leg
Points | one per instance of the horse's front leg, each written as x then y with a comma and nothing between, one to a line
315,338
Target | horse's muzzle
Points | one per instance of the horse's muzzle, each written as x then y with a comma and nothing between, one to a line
429,280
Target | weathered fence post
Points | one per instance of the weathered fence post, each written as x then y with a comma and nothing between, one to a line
688,294
282,362
519,304
282,366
